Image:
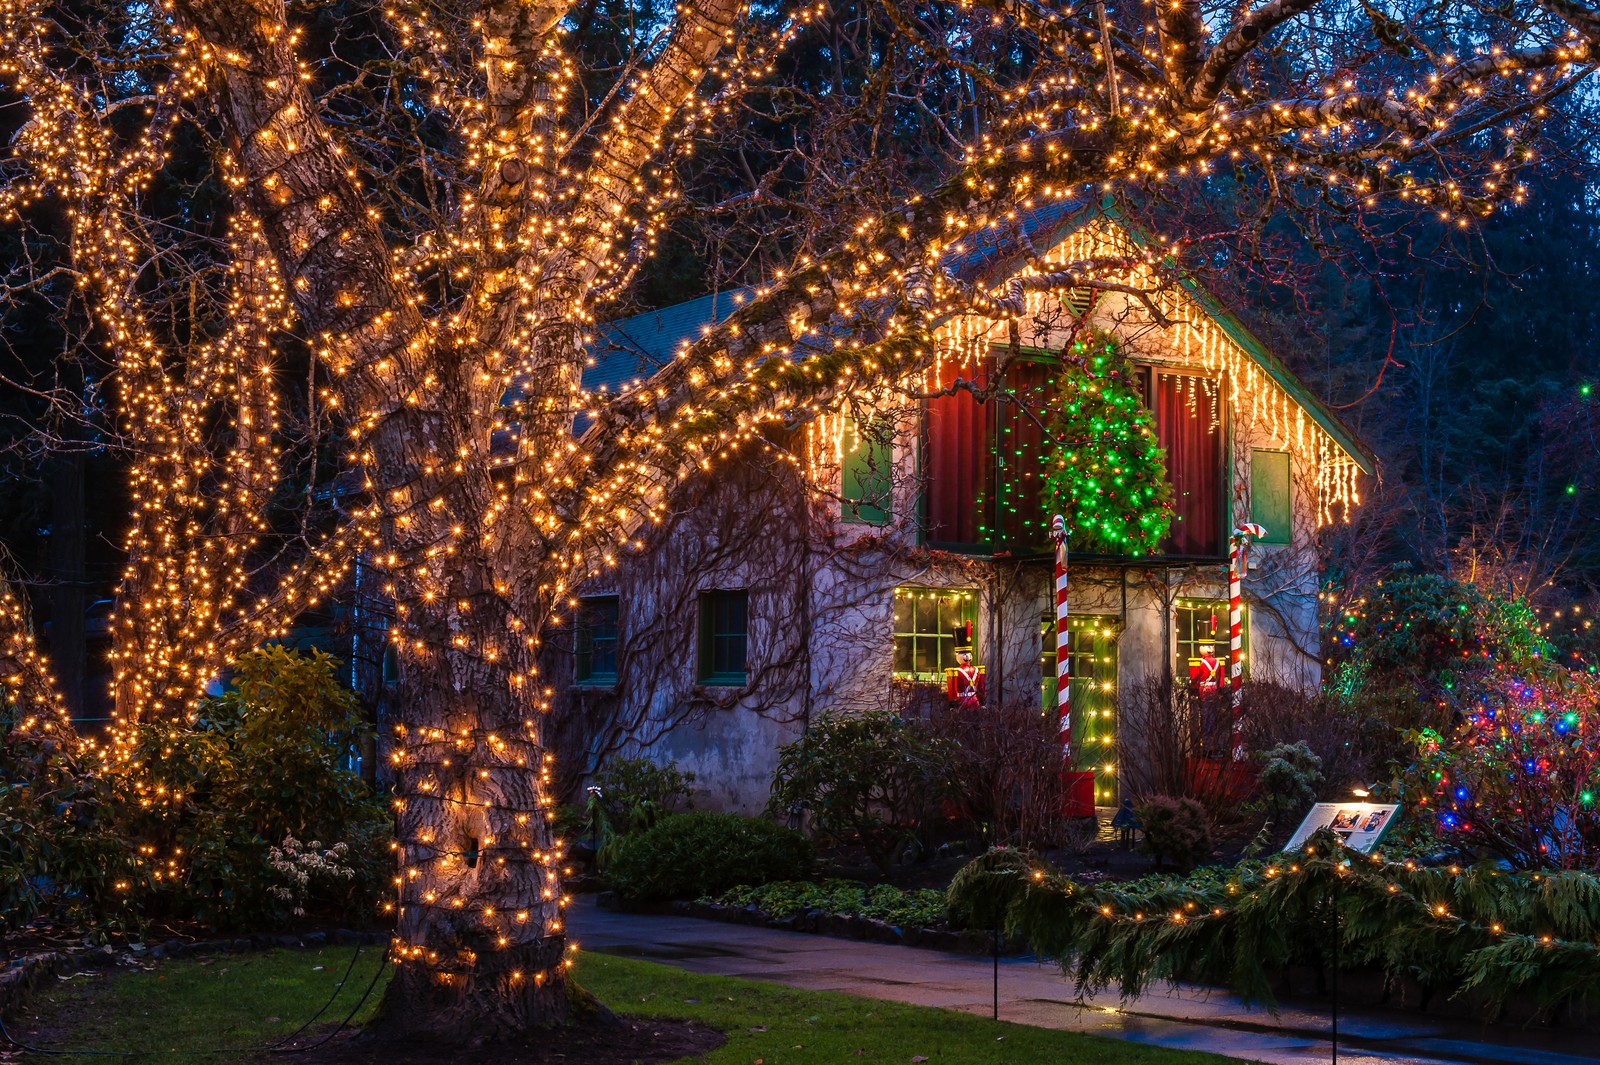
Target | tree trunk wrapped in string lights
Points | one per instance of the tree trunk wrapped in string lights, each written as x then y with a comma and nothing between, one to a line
449,220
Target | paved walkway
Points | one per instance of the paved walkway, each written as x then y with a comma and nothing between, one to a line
1036,994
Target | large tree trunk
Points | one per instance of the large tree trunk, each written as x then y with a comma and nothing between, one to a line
480,945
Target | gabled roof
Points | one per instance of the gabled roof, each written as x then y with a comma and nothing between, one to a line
634,347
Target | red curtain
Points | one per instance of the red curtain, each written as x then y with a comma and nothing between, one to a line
960,462
1188,425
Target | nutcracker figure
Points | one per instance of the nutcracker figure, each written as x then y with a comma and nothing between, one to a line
964,683
1206,671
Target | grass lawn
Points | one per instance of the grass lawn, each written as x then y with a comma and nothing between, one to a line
215,1010
227,1008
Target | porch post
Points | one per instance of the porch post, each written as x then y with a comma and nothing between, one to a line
1238,548
1058,533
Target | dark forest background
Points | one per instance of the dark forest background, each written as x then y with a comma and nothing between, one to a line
1467,359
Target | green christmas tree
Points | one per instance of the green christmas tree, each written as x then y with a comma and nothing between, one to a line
1108,474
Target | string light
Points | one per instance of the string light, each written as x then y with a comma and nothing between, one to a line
421,339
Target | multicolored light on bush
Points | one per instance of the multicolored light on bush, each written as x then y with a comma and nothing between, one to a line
1518,780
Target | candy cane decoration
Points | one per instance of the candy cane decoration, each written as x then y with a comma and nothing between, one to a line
1058,533
1238,547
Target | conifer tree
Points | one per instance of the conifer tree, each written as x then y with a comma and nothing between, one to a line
1107,475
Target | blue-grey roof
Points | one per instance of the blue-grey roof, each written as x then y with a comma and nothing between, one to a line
632,348
999,253
629,349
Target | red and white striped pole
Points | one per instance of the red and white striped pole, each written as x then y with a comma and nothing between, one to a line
1238,547
1058,533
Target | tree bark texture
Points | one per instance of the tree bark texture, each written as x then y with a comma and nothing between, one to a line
481,941
68,599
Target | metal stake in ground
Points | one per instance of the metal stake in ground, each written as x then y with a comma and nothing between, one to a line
1238,547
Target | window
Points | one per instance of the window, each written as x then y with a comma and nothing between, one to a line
864,473
724,637
391,660
1188,414
597,640
984,461
1202,630
1271,501
1092,642
925,621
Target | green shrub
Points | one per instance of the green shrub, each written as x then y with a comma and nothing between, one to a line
264,765
981,890
872,778
626,784
62,854
1413,651
1519,779
1174,828
1290,774
920,908
688,855
630,795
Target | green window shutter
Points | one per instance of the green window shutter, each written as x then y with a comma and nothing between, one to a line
391,663
1271,495
703,640
864,475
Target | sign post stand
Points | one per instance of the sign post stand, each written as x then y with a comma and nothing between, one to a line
1360,826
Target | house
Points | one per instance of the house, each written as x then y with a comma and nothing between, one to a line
833,570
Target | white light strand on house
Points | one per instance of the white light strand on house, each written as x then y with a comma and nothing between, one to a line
1258,406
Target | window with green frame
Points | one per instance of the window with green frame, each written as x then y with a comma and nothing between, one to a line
596,626
724,637
865,481
1092,642
1271,498
925,621
1204,622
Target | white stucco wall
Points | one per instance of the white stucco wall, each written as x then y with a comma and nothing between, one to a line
822,600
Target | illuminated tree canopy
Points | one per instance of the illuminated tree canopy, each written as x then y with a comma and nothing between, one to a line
437,200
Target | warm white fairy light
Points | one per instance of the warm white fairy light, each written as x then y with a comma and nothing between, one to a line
552,218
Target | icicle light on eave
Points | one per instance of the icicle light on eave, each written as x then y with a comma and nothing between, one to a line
1257,403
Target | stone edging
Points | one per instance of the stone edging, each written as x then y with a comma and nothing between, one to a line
21,977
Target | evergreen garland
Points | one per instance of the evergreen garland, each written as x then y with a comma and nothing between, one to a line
1107,475
1475,931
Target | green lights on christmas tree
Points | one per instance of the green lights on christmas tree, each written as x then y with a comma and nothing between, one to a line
1108,474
